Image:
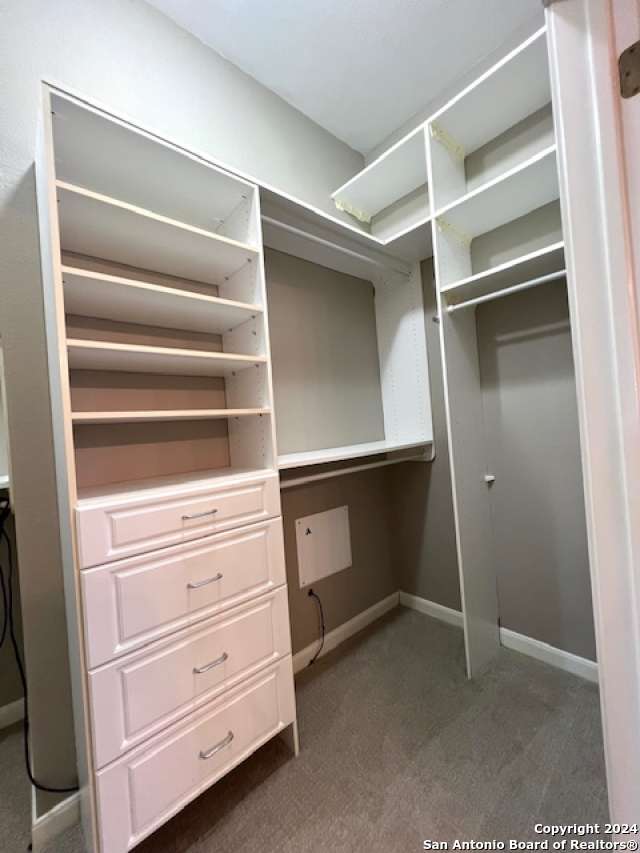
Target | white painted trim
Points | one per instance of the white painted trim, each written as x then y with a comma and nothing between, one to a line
52,824
431,608
11,713
566,661
334,638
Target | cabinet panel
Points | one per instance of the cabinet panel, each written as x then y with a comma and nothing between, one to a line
141,694
130,603
142,790
133,523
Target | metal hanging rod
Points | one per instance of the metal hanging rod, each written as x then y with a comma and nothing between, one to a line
334,246
534,282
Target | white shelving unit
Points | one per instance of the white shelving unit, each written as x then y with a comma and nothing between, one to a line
515,193
341,454
499,213
480,114
514,273
98,355
110,297
103,227
390,198
160,363
397,326
169,415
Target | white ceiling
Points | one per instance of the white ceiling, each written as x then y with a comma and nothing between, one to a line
359,68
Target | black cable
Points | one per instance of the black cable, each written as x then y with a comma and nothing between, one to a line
322,626
7,597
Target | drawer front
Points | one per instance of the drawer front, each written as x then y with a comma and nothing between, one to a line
130,603
143,693
146,787
126,527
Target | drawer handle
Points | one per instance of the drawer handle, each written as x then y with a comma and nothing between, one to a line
205,582
205,756
199,514
198,670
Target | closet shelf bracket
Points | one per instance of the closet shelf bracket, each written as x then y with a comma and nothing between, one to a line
454,148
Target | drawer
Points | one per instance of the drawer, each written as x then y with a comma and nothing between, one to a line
148,785
130,603
129,523
143,693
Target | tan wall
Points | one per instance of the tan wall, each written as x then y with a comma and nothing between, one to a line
371,577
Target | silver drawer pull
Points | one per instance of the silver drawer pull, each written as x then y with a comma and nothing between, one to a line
199,514
205,582
199,670
205,756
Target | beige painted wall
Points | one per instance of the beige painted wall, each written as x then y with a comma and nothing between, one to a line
371,577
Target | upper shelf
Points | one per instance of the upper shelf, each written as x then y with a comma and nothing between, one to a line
100,226
510,196
137,358
511,90
94,294
395,174
141,169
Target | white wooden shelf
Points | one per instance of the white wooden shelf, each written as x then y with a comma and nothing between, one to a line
97,355
526,267
157,415
517,192
414,243
337,454
103,227
393,175
93,294
131,165
511,90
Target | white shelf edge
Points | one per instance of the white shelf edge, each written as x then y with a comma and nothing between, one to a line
486,274
379,159
338,454
549,151
143,349
162,289
539,33
149,214
158,415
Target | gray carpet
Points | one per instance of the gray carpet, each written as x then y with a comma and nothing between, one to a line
397,746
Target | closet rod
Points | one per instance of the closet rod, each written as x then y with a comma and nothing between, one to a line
543,279
352,469
334,246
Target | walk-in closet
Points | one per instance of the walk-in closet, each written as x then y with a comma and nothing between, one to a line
316,427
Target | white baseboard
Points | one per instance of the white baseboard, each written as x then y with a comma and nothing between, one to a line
575,664
343,632
11,713
430,608
52,824
510,639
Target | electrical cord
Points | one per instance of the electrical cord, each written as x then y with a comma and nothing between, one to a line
8,627
315,595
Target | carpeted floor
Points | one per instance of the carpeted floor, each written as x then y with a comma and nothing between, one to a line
397,747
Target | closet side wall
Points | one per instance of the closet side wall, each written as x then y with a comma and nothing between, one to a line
537,501
130,57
